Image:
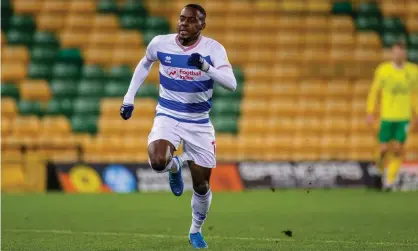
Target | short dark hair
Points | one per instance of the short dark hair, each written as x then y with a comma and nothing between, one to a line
197,7
399,42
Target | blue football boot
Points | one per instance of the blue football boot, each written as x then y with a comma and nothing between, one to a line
197,241
176,179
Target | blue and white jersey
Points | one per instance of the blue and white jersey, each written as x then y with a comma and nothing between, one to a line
185,91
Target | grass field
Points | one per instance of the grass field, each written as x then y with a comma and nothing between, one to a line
319,220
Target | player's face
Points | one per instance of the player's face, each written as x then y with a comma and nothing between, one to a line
190,23
399,53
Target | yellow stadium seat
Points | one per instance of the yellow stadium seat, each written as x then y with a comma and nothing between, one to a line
147,106
368,40
333,143
258,72
105,22
85,6
341,55
316,39
99,38
315,55
250,125
52,22
257,90
292,6
76,21
8,108
290,22
56,125
13,71
158,7
319,6
342,39
127,56
412,24
261,56
368,55
361,88
74,38
130,39
308,124
282,107
100,56
55,6
342,24
11,156
13,177
317,23
6,127
285,71
290,56
68,156
237,22
337,124
393,8
311,87
226,144
236,56
310,106
412,8
28,125
64,141
15,54
215,7
266,6
363,142
284,89
239,7
37,90
359,106
337,106
254,107
289,39
339,88
27,7
359,125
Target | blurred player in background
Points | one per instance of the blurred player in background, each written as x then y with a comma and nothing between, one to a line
189,65
396,82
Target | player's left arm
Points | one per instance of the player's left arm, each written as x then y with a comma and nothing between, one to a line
414,99
221,71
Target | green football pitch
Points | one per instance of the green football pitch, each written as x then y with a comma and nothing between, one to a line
319,220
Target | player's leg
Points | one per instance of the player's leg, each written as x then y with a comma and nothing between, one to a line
385,135
162,143
201,200
395,161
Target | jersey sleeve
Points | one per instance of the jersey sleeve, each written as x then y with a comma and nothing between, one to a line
152,48
220,58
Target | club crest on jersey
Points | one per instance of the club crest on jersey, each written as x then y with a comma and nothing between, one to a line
167,59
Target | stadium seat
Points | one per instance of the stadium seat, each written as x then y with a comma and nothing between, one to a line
105,22
411,24
345,40
56,125
26,125
55,6
9,90
413,55
35,90
88,88
86,106
342,8
392,24
342,23
74,39
29,108
130,39
368,9
368,40
368,23
15,54
45,39
413,40
392,8
133,22
127,56
102,39
225,107
389,38
107,6
27,7
84,124
93,72
19,37
77,21
120,73
133,8
13,72
65,71
225,124
98,56
8,108
43,55
85,6
50,22
23,23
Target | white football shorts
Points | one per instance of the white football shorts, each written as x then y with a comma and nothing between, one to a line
198,139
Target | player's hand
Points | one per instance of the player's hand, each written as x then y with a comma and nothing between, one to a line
197,60
370,119
126,111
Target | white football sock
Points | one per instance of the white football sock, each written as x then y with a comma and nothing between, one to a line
200,209
172,165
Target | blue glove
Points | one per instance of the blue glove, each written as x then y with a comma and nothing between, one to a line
197,60
126,111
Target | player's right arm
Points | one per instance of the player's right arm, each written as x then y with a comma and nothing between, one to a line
141,73
373,94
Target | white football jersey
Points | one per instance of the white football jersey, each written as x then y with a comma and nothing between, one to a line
185,91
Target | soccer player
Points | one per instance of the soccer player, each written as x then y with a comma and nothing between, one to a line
397,83
189,65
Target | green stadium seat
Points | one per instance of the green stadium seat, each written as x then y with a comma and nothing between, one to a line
43,55
413,41
29,108
368,9
147,90
413,55
93,72
107,6
86,106
133,7
22,23
84,124
17,37
389,38
149,35
225,107
220,92
39,71
392,24
66,71
364,23
59,106
225,124
45,39
158,24
70,56
133,22
115,89
64,88
89,88
342,8
120,73
9,90
239,75
6,13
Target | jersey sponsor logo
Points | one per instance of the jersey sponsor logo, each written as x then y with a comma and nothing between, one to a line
184,74
172,73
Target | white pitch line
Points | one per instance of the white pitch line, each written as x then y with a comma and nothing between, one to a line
69,232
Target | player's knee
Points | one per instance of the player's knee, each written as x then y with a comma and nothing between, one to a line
398,150
384,149
158,163
201,188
